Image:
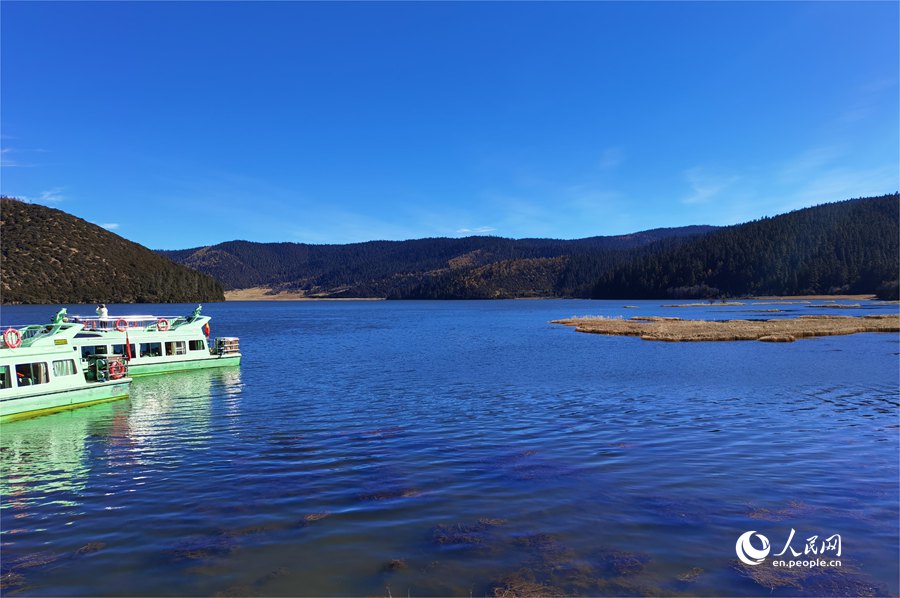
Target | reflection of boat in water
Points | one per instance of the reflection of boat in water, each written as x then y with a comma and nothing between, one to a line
178,410
44,455
41,371
181,395
157,344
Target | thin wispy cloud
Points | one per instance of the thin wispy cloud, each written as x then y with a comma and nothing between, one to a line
53,195
335,224
10,157
821,174
706,186
8,161
580,208
110,225
867,99
836,184
809,163
479,230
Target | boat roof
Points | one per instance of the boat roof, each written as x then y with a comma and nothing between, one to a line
135,323
41,338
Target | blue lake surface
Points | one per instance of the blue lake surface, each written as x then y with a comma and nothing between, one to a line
462,448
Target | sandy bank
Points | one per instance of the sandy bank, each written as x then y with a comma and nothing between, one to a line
782,330
262,294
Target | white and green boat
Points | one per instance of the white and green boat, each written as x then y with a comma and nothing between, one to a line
156,344
42,371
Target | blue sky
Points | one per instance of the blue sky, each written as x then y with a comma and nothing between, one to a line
185,124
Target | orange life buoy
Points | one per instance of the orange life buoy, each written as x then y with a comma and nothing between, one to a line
162,324
116,370
12,338
121,325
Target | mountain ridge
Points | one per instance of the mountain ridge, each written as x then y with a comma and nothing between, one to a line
832,248
395,269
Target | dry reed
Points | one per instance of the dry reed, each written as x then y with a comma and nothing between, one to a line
836,306
654,328
719,304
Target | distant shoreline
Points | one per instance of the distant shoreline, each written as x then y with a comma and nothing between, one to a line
260,294
265,294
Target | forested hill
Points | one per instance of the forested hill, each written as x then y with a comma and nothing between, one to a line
471,267
844,247
48,256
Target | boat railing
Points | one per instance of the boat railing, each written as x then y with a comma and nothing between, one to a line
227,345
123,323
24,335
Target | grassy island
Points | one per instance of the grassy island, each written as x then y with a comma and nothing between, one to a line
655,328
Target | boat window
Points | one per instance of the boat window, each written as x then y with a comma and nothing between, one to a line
120,350
87,351
64,367
151,349
175,348
5,382
197,345
28,374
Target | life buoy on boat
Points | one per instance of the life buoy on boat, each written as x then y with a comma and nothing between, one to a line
12,338
121,325
162,324
116,370
206,328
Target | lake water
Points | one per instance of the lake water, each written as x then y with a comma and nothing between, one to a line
463,448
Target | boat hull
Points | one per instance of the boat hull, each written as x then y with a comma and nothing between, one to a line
164,367
14,408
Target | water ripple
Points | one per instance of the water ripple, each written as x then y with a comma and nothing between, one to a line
443,448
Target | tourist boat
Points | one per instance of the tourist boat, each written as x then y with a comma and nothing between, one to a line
42,371
156,344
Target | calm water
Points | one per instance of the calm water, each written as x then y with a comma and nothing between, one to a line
449,448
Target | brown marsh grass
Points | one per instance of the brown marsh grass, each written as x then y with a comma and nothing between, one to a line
707,304
655,328
836,305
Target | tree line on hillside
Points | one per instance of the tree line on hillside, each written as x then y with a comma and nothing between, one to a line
844,247
567,276
50,257
423,268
